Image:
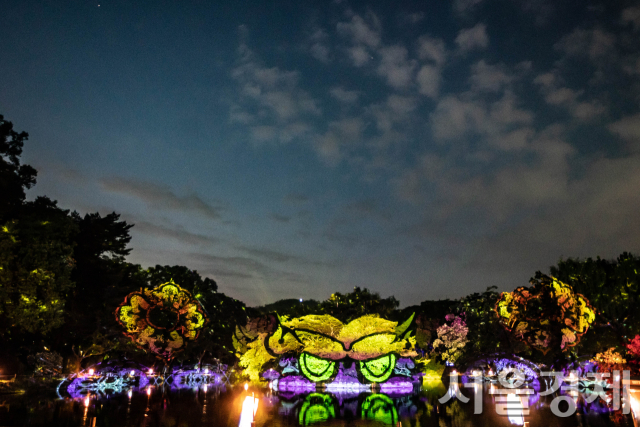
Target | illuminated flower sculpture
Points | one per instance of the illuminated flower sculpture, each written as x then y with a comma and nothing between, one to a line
161,320
316,348
547,315
452,338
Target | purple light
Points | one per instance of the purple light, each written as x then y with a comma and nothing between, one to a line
295,383
397,385
271,375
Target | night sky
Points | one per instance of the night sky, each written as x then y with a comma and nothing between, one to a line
291,149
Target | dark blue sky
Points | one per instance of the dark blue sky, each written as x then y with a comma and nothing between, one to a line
290,149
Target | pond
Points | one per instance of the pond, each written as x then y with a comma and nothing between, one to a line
224,405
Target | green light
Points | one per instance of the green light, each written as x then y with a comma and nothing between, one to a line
378,370
317,408
380,408
316,369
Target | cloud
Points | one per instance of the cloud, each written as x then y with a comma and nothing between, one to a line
341,137
344,96
554,94
431,49
453,117
271,100
489,78
429,77
412,18
176,233
397,109
361,31
363,35
161,197
428,80
596,216
593,43
396,67
268,254
280,218
631,15
359,55
472,38
628,128
499,189
318,46
542,9
464,6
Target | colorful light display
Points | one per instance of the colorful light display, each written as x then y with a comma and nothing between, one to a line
546,315
322,349
161,320
316,408
379,407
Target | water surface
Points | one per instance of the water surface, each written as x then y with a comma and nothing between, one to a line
233,406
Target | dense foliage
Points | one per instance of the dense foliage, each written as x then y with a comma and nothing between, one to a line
546,316
613,288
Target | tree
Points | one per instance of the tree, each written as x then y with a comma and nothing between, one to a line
547,316
352,305
484,325
292,307
224,312
14,177
613,288
35,275
102,279
452,337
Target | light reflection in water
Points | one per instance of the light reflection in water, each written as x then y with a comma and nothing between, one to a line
317,408
379,407
249,409
87,400
635,408
515,411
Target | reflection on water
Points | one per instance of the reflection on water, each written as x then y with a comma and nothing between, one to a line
249,409
515,409
221,405
317,408
380,408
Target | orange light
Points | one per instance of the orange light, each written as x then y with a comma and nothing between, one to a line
86,401
91,371
249,409
150,371
148,391
130,393
246,386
